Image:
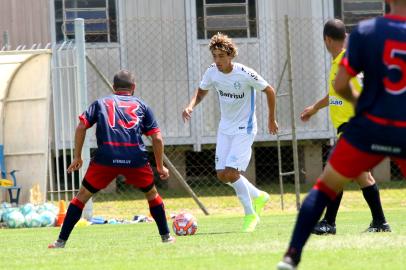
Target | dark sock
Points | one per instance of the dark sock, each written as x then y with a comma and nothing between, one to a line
310,212
372,197
332,209
72,217
157,209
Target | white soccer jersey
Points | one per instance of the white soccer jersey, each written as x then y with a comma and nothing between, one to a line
236,91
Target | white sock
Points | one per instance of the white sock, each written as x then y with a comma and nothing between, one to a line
254,192
243,195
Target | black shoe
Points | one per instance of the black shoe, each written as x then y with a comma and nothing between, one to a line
323,227
167,238
378,227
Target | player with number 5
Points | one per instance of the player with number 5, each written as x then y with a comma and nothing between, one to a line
376,47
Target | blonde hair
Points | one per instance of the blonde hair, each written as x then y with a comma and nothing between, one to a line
223,43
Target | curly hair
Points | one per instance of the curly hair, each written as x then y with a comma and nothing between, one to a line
224,43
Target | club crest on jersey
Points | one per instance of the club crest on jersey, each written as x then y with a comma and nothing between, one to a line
237,86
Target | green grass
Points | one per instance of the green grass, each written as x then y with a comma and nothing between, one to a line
218,244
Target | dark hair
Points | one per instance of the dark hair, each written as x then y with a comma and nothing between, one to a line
334,29
123,80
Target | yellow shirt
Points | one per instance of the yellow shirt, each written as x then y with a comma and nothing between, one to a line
340,109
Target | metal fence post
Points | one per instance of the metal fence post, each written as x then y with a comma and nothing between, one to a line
82,97
293,116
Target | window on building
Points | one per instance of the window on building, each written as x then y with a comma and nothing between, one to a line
354,11
99,15
236,18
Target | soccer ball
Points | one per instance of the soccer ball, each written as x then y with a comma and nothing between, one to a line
184,224
33,220
15,220
47,219
27,209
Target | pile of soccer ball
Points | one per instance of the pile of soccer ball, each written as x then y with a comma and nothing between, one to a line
184,224
28,215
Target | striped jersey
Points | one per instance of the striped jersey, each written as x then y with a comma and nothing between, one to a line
236,92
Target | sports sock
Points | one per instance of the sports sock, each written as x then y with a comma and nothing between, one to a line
157,210
309,214
372,197
243,195
332,209
254,192
73,215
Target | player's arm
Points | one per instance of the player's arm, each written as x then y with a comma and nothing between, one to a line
271,101
158,147
196,99
308,112
343,87
80,135
351,65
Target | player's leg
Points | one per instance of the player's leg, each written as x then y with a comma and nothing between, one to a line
230,175
324,191
236,159
96,178
73,215
239,157
157,210
346,162
371,195
328,224
143,178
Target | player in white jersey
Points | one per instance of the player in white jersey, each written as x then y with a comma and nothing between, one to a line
236,86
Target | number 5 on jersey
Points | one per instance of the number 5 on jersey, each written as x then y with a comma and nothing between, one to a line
394,56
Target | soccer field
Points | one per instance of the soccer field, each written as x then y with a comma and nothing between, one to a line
218,244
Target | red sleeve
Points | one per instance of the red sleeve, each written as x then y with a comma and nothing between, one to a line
82,118
152,131
346,65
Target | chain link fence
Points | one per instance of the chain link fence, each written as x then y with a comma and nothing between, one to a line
168,61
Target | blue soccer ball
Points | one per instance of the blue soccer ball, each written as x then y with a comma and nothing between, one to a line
48,219
33,220
15,219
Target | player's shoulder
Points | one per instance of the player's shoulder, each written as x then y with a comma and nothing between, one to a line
212,68
368,26
246,71
140,101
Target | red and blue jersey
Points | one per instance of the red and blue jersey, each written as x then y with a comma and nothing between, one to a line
121,120
377,47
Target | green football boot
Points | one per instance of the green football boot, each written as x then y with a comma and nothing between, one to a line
250,222
260,202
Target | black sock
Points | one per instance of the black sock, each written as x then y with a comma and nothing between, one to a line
310,212
372,197
72,217
157,210
332,209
